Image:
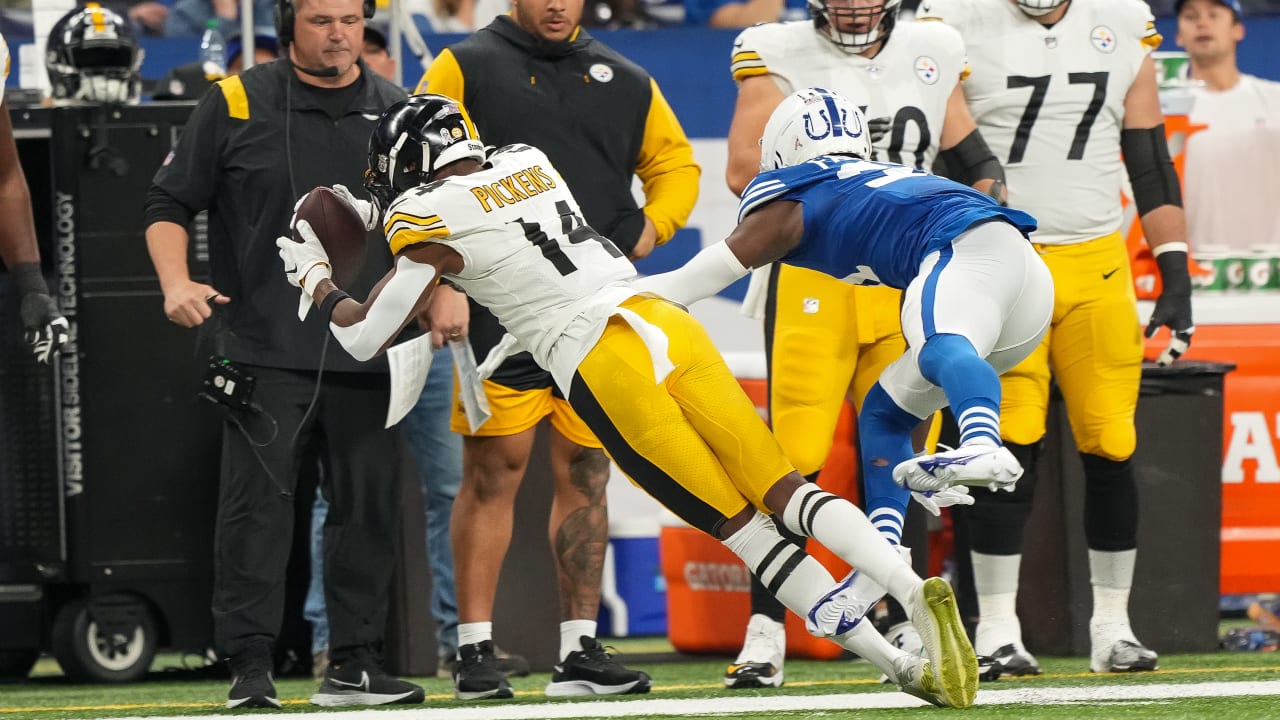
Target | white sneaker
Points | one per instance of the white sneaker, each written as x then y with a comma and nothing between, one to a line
1113,648
974,465
935,615
759,664
914,676
904,637
841,609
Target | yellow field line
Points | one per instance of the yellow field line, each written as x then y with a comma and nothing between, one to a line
657,689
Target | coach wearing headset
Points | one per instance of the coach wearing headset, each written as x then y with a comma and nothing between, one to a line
253,145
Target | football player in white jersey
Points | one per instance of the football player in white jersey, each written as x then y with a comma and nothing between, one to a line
43,326
1062,88
822,334
639,370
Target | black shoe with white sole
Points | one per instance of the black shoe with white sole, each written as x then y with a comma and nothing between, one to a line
251,685
593,671
357,678
476,676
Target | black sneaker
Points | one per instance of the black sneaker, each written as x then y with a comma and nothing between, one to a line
251,685
357,678
508,664
1014,661
593,671
476,675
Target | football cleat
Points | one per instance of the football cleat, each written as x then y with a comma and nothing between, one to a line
936,617
759,665
841,609
1123,656
914,676
974,465
1015,661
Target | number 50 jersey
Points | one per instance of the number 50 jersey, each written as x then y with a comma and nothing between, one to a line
529,256
909,80
1050,101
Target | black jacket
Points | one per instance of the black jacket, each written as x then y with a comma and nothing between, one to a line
598,116
239,159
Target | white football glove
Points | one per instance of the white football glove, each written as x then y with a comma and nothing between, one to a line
938,499
367,211
305,263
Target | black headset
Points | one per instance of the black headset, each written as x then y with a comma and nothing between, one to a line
286,14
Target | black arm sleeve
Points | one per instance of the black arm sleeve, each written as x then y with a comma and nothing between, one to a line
971,160
1146,157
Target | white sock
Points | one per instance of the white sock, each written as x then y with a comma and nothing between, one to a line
472,633
996,580
793,576
571,632
866,643
1111,574
845,531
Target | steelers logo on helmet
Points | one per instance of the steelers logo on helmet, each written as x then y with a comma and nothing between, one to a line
413,139
91,56
851,27
811,123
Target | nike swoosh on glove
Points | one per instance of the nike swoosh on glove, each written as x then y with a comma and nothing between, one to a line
1173,307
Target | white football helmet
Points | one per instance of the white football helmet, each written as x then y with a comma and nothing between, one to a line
811,123
1036,8
853,27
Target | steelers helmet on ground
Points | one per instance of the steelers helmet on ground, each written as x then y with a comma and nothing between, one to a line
838,21
1036,8
413,139
92,56
810,123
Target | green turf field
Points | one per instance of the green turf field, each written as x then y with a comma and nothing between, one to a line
1224,686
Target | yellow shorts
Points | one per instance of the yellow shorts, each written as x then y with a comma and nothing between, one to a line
1093,349
826,339
693,441
514,411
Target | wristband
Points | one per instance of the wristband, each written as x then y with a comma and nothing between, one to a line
330,302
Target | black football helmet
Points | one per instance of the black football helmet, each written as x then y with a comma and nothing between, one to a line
92,56
413,139
828,17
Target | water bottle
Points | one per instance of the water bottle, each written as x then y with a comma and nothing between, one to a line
213,52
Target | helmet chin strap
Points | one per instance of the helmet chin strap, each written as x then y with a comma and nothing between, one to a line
1037,11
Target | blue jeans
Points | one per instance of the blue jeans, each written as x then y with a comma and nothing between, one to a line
438,452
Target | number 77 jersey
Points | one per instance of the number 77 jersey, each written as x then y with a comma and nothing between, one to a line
1050,102
529,257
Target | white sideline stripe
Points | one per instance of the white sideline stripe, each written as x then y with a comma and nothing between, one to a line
784,703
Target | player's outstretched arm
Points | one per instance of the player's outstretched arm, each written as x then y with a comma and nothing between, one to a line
366,329
764,236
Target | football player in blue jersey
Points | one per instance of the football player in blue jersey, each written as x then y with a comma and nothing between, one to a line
977,297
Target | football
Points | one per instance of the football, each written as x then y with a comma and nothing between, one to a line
340,230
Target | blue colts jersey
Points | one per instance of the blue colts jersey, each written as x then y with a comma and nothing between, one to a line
870,223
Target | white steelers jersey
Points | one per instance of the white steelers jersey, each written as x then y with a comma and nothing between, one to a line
1050,102
909,80
529,256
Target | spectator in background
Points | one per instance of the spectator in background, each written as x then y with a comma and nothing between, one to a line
188,18
43,326
536,77
246,161
1230,175
376,54
189,82
730,14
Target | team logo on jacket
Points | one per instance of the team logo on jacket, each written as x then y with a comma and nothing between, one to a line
927,70
601,72
1103,39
